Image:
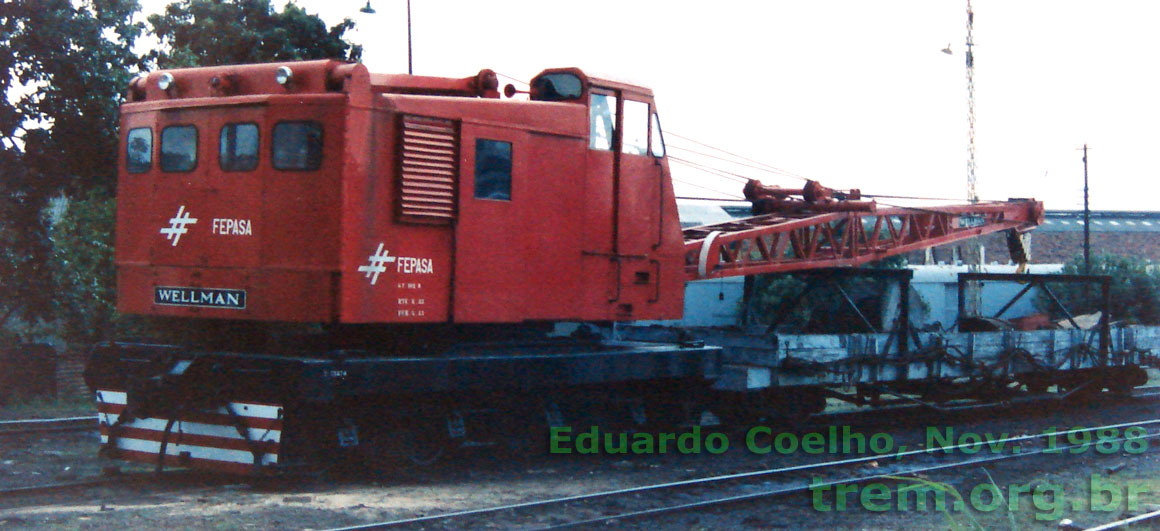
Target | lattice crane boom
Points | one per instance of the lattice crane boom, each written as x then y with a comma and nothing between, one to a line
797,234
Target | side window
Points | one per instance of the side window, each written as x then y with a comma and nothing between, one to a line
239,147
658,141
139,150
602,121
493,169
634,135
179,148
297,146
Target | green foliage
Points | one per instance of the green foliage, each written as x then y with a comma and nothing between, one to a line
82,267
64,66
77,58
222,32
1135,290
46,407
922,485
822,310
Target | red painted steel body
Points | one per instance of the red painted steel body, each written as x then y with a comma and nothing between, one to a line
389,227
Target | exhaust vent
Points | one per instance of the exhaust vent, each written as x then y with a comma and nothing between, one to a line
428,170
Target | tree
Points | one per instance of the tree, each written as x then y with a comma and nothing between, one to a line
65,66
65,69
195,33
1135,290
82,259
221,32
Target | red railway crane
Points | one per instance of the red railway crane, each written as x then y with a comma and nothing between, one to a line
409,240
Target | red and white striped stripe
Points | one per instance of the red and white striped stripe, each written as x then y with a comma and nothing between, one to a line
200,439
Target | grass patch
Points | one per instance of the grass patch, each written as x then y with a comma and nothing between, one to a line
42,407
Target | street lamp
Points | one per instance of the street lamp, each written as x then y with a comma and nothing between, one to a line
370,11
410,70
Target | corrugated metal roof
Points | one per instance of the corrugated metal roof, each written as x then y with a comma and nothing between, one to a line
1101,221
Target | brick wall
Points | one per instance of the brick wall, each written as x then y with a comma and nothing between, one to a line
1056,247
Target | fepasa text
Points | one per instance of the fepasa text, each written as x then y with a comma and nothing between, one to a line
232,227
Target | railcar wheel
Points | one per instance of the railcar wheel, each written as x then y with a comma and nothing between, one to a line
420,445
409,443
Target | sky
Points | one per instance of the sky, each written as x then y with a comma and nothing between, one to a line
853,94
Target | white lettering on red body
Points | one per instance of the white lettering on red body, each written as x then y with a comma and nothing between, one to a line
407,264
232,227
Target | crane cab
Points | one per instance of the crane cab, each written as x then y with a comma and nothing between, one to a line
319,192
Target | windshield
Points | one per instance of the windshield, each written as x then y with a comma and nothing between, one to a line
557,87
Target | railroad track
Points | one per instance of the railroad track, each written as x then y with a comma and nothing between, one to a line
774,482
170,479
87,423
57,487
53,425
1146,517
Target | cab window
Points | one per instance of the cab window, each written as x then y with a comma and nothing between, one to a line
658,141
179,148
557,87
493,169
139,150
634,135
238,147
602,120
297,146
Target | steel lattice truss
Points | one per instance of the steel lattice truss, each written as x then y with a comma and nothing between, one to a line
778,243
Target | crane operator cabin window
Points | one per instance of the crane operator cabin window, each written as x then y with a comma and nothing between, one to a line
658,141
602,118
239,147
635,133
139,150
493,169
557,87
297,146
179,148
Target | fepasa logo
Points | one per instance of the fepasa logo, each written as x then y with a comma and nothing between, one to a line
177,225
406,265
376,266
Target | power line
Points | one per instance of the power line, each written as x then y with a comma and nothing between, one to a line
517,80
732,196
731,200
774,171
735,177
773,168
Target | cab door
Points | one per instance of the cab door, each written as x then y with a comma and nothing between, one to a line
638,209
623,196
600,252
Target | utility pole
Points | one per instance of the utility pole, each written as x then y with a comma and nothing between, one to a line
1087,222
972,193
974,255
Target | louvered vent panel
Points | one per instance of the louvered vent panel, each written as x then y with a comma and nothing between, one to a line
428,168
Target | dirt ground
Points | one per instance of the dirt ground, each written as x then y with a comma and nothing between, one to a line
495,477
